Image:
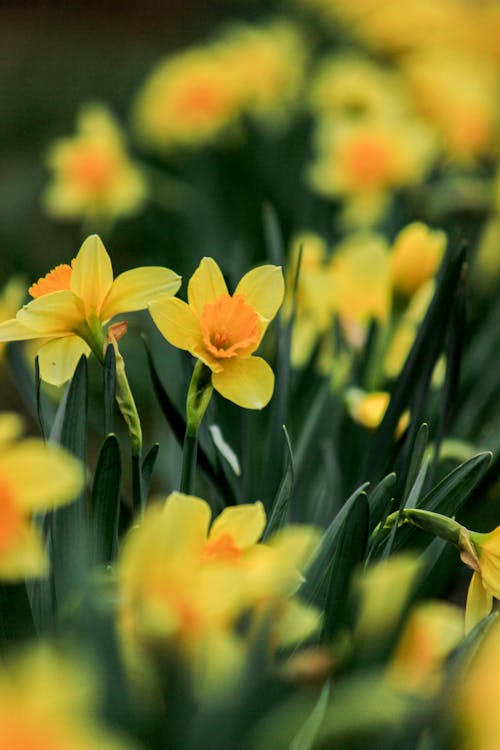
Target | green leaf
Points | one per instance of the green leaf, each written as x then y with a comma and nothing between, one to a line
16,618
273,235
379,497
417,456
69,527
224,449
305,738
148,466
105,503
279,508
109,374
38,385
317,584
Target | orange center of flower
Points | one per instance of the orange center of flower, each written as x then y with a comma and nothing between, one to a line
56,280
10,518
222,549
91,169
369,162
203,100
229,326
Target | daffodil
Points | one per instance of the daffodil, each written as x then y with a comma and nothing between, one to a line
72,304
34,477
368,409
415,257
485,582
47,701
92,174
223,331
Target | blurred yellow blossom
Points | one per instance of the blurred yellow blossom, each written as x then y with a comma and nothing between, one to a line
433,629
485,582
186,582
364,162
486,265
223,330
189,98
11,298
92,174
368,409
72,303
46,701
415,257
34,477
268,63
403,336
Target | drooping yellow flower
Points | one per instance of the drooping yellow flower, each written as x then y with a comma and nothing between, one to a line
186,582
11,298
432,630
268,63
363,162
46,701
34,477
224,331
188,99
368,409
92,174
72,303
485,582
415,256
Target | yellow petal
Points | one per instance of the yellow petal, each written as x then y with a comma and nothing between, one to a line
52,314
479,603
244,523
247,382
58,358
25,557
205,285
11,427
186,519
296,544
264,288
42,476
296,623
92,275
13,330
135,289
177,322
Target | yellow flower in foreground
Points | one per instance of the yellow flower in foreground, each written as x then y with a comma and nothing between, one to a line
415,256
224,331
368,409
92,175
73,302
432,630
46,702
189,98
11,298
187,583
34,477
485,582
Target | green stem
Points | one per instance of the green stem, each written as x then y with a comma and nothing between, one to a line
137,494
198,397
189,452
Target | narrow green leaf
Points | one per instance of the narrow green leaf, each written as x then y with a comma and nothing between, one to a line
379,497
224,449
148,466
38,385
417,456
307,436
279,508
109,374
105,502
22,376
416,489
316,586
273,235
16,617
305,738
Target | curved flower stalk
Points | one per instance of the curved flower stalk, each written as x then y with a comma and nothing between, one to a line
47,701
186,583
72,304
34,477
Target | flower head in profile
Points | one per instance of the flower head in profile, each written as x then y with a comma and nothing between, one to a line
415,257
483,556
73,302
223,330
47,701
368,409
92,174
34,477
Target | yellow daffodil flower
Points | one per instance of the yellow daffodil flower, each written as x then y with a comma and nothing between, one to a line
34,477
92,175
368,409
485,582
46,701
415,257
224,331
72,303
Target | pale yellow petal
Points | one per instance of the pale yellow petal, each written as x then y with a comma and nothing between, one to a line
135,289
53,314
58,358
264,289
13,330
176,322
296,622
42,476
296,544
92,275
25,557
479,603
205,285
11,427
247,382
244,523
186,519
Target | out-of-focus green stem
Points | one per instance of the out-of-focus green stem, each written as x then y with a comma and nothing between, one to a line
198,397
